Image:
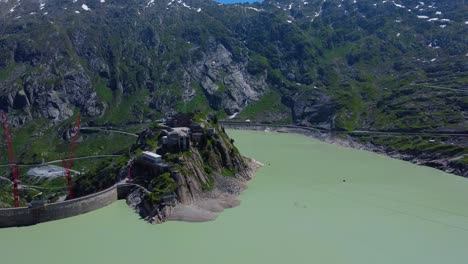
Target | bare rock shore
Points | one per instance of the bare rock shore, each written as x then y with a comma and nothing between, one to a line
204,206
223,196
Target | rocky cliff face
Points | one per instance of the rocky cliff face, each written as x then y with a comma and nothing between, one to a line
193,183
226,83
198,174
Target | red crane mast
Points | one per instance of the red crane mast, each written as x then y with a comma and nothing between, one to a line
14,166
68,165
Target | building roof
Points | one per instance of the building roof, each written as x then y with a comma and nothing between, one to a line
151,154
181,131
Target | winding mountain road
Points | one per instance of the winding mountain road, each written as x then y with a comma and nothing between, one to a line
402,133
59,161
109,130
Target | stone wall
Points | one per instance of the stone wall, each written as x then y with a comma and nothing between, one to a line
24,216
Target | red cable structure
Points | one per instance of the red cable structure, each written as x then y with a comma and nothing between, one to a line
68,165
14,166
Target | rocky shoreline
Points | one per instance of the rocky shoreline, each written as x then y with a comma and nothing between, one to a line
350,142
223,196
207,204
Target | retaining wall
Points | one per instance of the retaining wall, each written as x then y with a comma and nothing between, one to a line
24,216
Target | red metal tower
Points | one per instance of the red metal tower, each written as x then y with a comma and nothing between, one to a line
14,166
68,165
129,173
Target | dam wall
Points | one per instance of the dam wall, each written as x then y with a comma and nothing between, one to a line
24,216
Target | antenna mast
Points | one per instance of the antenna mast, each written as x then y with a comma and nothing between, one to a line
68,165
14,166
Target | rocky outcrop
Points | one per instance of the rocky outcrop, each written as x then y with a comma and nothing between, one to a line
192,185
313,109
55,98
225,82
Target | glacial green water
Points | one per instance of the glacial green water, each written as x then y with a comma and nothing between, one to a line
296,210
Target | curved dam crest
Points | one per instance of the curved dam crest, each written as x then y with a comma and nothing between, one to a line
25,216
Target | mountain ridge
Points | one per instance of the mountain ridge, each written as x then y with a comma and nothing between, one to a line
339,65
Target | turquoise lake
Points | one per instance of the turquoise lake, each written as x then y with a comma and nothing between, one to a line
296,210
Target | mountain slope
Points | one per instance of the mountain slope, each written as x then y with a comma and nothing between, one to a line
338,64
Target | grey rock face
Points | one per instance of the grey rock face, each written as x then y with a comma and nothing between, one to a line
316,108
48,95
226,82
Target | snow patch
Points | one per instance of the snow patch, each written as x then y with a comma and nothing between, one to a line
319,12
85,7
233,115
255,9
424,17
13,8
398,5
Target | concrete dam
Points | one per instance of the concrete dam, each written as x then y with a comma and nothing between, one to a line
24,216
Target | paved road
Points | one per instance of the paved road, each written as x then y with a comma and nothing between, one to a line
6,179
405,133
109,130
347,132
440,87
125,182
59,161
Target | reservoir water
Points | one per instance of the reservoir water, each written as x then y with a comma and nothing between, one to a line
296,210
